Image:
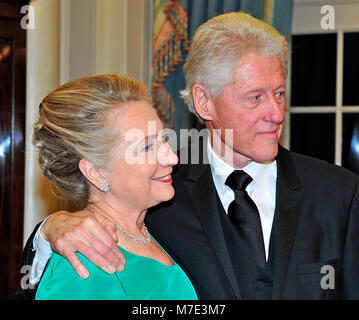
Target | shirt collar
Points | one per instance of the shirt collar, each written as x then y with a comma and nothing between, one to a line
262,173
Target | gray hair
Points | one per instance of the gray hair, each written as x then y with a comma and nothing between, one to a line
74,124
220,43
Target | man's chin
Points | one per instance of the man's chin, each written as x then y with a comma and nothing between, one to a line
268,156
259,153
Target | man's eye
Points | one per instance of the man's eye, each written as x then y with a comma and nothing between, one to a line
280,96
255,98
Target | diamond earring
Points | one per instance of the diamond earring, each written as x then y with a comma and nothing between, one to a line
104,186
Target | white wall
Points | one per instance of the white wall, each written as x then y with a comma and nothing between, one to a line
42,77
71,39
105,36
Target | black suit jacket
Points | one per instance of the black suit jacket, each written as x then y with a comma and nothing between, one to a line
316,223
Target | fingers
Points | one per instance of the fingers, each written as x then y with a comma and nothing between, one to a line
121,259
99,231
81,269
76,264
72,232
91,248
99,248
110,230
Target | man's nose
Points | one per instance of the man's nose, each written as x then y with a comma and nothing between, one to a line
276,110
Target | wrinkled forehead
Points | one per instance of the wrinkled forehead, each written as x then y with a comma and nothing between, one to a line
255,70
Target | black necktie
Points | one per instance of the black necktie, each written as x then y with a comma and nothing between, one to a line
244,215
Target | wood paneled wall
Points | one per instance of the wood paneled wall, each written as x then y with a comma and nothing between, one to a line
12,129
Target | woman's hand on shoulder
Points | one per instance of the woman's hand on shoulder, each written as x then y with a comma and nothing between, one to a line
69,232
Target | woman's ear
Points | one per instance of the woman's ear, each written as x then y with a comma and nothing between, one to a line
91,172
202,101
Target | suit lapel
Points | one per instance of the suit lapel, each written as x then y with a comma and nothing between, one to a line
201,191
202,194
288,196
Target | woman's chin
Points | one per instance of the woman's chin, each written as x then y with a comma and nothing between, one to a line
163,197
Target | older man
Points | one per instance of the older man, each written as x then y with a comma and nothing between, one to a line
258,222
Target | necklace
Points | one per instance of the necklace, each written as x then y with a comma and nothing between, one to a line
144,240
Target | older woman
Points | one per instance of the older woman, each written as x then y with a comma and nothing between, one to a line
96,146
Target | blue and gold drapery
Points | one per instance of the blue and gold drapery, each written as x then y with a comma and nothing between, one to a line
174,24
169,44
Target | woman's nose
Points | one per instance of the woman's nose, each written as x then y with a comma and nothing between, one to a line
166,156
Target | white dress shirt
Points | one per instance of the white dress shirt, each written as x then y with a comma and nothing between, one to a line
262,189
42,255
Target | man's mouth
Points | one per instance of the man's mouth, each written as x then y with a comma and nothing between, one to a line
271,134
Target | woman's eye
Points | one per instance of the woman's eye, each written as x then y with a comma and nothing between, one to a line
148,147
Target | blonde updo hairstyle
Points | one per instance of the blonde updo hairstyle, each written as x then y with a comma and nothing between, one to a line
73,124
219,45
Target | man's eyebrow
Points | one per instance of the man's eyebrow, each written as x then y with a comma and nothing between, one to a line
283,85
261,89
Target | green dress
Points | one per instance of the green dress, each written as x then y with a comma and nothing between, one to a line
142,279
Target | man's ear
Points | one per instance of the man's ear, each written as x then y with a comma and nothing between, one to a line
91,172
202,101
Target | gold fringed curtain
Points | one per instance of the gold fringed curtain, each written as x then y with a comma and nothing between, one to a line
170,41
